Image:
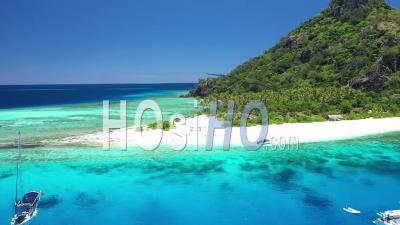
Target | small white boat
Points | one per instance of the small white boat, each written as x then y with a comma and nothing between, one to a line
351,210
263,142
391,217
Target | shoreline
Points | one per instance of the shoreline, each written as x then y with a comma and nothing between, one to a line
295,132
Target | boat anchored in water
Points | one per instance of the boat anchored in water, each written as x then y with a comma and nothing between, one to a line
391,217
26,208
351,210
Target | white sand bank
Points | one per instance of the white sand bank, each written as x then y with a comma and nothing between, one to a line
302,132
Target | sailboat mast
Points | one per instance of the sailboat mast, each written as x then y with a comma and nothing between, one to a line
18,159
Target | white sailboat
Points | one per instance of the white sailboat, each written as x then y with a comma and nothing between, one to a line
26,208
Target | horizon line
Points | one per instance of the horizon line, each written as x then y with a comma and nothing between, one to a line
96,83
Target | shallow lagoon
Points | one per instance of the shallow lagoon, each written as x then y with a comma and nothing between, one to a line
305,186
49,122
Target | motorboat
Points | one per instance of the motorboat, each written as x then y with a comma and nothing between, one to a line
391,217
263,142
351,210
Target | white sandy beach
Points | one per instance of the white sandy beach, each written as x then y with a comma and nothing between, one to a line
298,132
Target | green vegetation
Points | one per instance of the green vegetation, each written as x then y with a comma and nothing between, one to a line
165,125
310,104
346,61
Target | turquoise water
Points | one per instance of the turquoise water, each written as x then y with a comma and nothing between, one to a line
57,121
305,186
86,185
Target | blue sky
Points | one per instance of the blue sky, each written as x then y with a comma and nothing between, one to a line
102,41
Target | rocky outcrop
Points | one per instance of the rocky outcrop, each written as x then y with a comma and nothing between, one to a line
204,88
374,79
289,42
306,56
351,9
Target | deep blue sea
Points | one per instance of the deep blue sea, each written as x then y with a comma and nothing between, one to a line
13,96
85,185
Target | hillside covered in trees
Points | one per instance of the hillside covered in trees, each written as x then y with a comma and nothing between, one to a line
346,60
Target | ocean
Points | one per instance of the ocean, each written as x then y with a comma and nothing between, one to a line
86,185
43,112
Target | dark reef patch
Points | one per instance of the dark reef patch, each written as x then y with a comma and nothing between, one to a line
367,182
174,179
49,202
153,168
383,166
248,167
283,179
320,160
214,166
153,212
341,156
351,163
284,176
5,175
320,169
84,200
384,157
178,168
294,162
73,167
307,190
98,170
317,202
225,187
